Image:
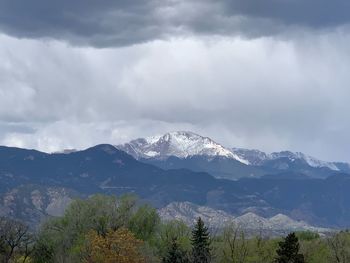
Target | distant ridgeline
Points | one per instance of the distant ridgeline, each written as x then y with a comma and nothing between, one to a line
180,171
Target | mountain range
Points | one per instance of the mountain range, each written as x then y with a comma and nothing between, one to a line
178,168
183,149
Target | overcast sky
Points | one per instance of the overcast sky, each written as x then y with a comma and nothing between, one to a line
272,75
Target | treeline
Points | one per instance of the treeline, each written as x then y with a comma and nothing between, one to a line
106,229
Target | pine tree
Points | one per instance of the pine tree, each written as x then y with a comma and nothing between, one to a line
288,251
175,254
200,243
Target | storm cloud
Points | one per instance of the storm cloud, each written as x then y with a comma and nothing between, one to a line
268,74
119,23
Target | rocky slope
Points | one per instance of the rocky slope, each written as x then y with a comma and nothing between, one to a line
279,223
35,203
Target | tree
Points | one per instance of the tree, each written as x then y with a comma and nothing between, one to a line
14,238
116,246
167,232
62,239
43,250
235,249
339,247
200,243
264,249
144,222
288,251
175,254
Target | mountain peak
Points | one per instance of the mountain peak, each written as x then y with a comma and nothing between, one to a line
180,144
184,144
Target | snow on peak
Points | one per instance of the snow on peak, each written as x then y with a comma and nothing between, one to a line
313,162
184,144
181,144
256,157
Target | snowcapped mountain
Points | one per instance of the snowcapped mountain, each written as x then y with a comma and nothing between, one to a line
313,162
180,144
189,213
259,158
184,149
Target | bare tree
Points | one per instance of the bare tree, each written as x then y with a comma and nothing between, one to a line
236,247
260,246
339,247
15,237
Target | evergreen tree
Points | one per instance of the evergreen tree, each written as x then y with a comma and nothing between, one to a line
288,251
200,243
175,254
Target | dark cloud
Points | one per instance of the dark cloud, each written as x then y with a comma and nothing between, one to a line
105,22
312,13
122,22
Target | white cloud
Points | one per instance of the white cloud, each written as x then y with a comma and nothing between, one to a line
263,93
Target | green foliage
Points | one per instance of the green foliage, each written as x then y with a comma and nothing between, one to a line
63,239
307,235
339,245
175,254
315,251
44,250
263,249
234,246
99,213
169,231
144,222
288,251
200,243
67,239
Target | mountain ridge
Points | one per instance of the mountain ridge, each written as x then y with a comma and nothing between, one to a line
192,151
189,213
186,144
108,170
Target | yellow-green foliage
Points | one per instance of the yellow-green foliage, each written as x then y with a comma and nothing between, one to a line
115,246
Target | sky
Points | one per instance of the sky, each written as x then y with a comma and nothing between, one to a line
271,75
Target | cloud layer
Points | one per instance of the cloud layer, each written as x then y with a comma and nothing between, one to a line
259,74
120,23
265,93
